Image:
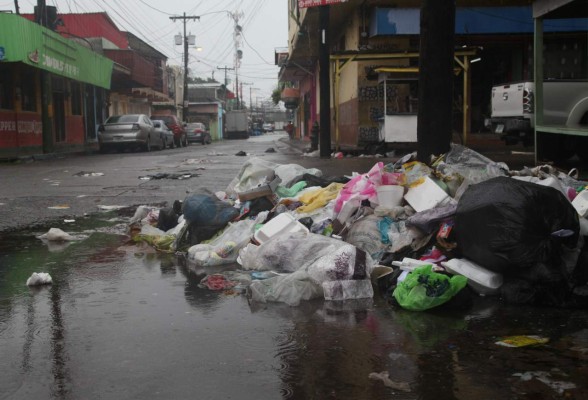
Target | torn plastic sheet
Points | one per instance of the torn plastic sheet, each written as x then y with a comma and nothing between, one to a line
332,260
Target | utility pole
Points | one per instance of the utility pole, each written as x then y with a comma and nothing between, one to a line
225,68
324,83
185,96
237,39
16,8
434,125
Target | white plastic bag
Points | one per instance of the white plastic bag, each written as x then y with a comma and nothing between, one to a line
319,259
40,278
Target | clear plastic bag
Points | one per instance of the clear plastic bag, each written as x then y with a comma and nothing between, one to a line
224,249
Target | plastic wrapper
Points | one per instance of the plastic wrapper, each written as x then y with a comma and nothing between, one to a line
328,260
288,253
471,165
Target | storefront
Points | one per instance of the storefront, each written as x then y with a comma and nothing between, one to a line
52,90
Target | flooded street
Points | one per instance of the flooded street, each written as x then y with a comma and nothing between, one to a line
121,321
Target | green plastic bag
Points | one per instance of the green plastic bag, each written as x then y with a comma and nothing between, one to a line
423,289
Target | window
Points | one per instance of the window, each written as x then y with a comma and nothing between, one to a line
28,91
76,98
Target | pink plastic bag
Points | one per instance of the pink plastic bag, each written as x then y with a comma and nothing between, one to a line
364,186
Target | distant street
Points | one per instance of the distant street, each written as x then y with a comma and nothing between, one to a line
74,185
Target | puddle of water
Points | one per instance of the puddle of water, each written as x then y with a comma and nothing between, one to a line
122,321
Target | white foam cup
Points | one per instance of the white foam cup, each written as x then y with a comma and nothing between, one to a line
390,195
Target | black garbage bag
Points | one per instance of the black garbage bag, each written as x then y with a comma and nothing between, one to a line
206,215
507,225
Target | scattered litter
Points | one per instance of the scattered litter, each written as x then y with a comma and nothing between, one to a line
545,377
81,196
192,161
522,340
384,376
217,282
216,154
84,173
109,208
69,221
164,175
41,278
241,153
270,150
59,207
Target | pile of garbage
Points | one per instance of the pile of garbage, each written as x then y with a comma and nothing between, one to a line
418,235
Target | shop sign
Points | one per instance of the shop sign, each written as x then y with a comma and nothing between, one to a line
316,3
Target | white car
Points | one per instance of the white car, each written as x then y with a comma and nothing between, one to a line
268,127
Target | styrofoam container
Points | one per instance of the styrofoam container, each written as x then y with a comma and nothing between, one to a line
480,279
280,224
390,195
427,195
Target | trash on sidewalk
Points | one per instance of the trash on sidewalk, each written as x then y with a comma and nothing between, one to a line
416,233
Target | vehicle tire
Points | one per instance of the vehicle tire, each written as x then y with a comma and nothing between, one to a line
208,140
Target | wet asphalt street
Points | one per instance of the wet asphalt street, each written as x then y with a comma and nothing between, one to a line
124,322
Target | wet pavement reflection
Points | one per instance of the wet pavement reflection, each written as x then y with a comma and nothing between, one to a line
121,321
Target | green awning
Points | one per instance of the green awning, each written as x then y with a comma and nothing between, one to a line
24,41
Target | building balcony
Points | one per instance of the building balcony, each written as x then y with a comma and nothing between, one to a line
142,71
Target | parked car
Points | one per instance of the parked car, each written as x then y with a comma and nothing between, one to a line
128,130
268,127
197,133
176,126
166,134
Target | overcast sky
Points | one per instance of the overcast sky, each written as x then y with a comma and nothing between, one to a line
264,26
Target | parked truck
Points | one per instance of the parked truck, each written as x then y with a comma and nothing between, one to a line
237,124
565,106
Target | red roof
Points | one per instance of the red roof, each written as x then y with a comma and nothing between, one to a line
90,25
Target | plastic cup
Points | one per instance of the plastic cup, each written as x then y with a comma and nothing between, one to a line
390,195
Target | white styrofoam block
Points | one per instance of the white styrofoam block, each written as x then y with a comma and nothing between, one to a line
425,196
580,203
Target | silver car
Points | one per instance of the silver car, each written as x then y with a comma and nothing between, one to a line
129,130
166,134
